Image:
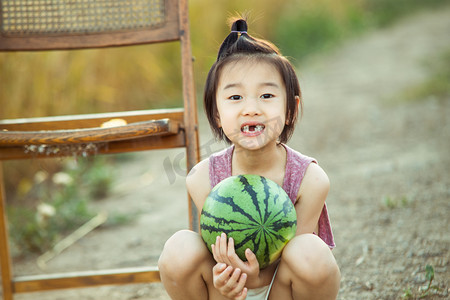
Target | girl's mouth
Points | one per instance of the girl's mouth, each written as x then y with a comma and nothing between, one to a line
252,129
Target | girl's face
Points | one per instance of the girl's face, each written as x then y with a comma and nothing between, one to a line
251,101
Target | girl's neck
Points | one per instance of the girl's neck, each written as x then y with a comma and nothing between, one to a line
269,161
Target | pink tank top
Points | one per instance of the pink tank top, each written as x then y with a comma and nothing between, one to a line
296,165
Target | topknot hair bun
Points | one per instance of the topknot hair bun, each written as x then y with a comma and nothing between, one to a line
239,25
239,41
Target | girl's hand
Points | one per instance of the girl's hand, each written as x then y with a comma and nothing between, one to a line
230,282
224,252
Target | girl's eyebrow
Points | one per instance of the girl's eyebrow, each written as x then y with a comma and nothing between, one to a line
232,85
269,83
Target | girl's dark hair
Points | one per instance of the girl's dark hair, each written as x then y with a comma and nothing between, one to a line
240,45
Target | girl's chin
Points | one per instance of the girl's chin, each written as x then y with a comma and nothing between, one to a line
252,143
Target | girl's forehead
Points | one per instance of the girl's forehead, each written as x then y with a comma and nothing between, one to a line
249,69
246,62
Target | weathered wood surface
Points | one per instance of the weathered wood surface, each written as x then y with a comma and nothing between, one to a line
25,284
89,120
88,135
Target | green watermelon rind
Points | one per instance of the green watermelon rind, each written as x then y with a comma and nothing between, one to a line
235,197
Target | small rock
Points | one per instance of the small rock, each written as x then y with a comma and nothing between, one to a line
368,286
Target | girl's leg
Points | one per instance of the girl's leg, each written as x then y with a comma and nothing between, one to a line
307,270
185,267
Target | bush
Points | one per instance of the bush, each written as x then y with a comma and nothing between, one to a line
305,28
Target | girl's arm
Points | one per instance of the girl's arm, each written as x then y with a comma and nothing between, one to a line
311,199
198,184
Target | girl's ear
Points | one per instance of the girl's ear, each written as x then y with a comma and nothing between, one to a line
219,124
297,100
297,104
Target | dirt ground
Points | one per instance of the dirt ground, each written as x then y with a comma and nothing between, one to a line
388,161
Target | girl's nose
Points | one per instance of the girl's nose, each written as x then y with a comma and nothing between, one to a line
251,107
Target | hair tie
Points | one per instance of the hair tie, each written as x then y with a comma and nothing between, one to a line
239,31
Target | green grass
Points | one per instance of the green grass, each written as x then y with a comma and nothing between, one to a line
391,202
423,292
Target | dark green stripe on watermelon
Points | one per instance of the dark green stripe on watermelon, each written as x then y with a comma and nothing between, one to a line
253,210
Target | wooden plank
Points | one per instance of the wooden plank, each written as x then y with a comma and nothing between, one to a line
88,120
25,284
168,32
150,143
88,135
139,144
5,258
190,119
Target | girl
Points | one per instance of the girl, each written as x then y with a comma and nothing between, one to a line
252,99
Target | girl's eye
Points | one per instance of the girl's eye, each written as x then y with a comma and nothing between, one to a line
235,97
267,96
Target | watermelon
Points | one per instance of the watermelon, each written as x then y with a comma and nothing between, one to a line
253,210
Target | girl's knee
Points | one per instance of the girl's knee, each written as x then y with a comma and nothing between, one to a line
182,254
310,260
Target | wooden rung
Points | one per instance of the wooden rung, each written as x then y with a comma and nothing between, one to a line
89,135
132,145
89,120
25,284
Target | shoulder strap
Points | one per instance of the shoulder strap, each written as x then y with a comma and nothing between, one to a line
220,166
